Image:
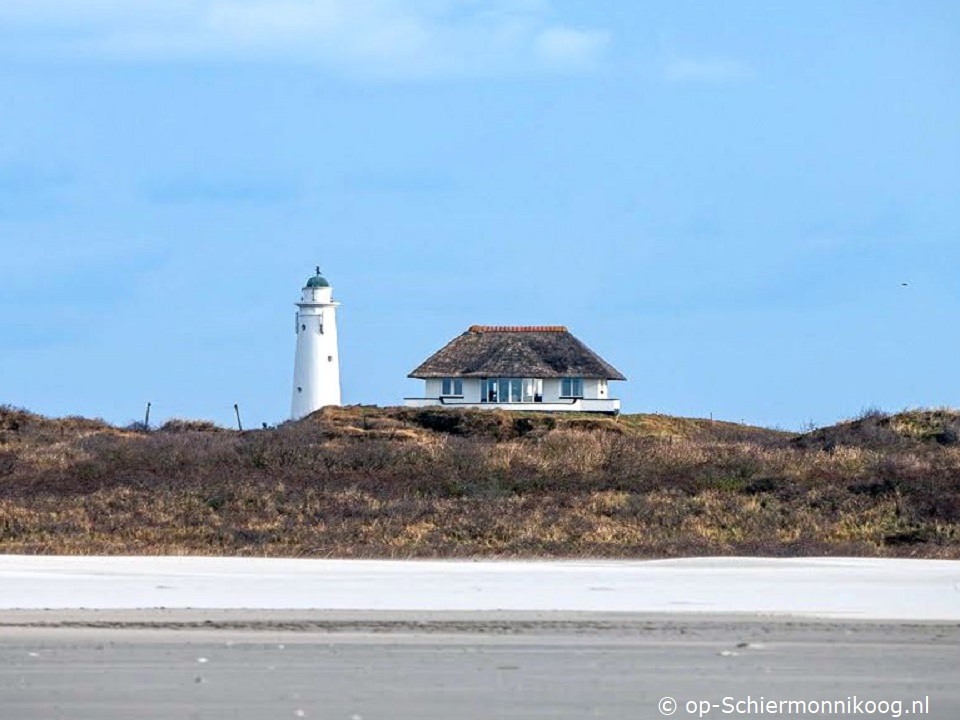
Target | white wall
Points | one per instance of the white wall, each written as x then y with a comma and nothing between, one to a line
584,405
432,387
551,390
471,389
596,397
316,372
591,387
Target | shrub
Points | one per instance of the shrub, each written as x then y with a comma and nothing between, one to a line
177,425
368,482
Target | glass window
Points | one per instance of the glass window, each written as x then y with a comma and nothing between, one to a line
451,387
532,390
571,387
511,390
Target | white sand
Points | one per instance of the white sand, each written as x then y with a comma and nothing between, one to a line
817,587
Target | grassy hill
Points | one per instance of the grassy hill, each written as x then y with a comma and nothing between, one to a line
397,482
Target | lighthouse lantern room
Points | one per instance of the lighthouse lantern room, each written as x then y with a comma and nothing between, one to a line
316,373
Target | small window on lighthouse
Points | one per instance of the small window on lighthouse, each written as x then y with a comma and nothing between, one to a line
320,325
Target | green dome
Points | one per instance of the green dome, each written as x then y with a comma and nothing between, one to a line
317,281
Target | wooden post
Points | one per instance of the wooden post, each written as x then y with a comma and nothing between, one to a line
236,409
146,418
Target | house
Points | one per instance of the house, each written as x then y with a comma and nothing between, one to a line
542,368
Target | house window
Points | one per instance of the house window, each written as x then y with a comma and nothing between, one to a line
451,387
571,387
511,390
532,390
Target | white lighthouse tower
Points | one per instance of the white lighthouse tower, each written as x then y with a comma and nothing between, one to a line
316,372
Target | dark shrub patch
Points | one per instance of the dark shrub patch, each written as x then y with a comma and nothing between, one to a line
945,437
874,489
216,501
522,426
8,461
763,485
911,536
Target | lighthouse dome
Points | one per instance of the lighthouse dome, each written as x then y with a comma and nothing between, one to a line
317,281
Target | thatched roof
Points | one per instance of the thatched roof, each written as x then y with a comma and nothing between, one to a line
540,351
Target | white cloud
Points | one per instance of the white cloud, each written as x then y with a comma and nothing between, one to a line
707,71
567,47
367,37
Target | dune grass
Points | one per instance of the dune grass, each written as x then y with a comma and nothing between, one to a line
393,482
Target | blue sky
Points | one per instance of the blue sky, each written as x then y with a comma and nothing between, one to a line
723,199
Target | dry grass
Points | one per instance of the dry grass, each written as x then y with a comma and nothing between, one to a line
374,482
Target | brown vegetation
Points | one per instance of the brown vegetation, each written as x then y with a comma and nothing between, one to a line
391,482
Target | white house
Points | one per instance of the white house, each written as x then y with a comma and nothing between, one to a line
316,371
541,367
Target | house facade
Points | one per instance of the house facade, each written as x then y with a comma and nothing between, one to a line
541,368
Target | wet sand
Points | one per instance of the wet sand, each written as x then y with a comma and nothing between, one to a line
108,665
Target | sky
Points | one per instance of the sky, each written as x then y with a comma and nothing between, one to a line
750,209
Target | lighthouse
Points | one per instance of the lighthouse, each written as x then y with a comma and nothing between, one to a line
316,371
